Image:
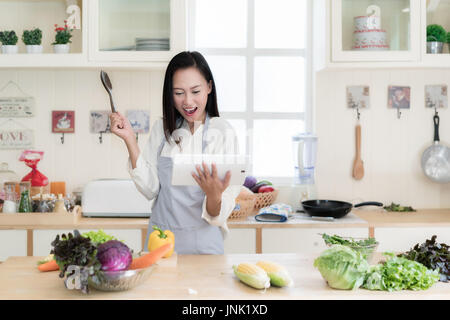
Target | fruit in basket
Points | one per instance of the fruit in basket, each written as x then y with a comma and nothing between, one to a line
250,182
257,186
114,256
264,189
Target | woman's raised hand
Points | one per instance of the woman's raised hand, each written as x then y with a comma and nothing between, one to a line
121,127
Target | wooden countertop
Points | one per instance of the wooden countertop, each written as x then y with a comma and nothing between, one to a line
361,218
197,277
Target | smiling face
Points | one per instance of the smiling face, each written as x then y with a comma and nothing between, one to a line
190,94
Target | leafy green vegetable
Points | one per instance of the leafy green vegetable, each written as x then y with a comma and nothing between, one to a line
98,237
75,250
399,273
398,208
433,255
348,241
342,267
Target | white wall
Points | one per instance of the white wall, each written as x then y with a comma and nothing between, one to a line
391,147
81,158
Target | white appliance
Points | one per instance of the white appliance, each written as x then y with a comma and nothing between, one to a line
114,198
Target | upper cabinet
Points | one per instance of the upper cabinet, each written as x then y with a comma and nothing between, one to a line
375,30
384,33
111,33
136,30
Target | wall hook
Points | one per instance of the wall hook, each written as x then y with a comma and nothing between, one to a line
100,138
62,138
358,114
398,113
435,111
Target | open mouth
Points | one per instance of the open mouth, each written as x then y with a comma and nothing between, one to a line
190,111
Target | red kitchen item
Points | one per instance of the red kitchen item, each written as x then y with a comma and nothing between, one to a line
31,159
264,189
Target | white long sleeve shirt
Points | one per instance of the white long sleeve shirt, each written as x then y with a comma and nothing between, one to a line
220,139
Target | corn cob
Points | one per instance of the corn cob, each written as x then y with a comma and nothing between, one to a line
278,275
252,275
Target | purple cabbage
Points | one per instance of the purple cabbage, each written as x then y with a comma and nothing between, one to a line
250,182
114,256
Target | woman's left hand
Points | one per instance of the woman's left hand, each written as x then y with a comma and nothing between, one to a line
210,182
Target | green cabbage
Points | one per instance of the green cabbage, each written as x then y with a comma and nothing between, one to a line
342,267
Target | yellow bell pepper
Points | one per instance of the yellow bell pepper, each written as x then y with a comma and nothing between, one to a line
159,238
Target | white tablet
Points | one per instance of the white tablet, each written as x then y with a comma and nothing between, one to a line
185,164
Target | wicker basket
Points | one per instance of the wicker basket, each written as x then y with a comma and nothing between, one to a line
245,206
265,199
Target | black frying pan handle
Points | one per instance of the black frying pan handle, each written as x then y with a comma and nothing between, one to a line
436,128
368,203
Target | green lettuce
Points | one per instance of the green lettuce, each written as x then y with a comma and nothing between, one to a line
399,273
342,267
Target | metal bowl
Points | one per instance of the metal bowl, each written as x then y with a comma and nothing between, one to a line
366,251
119,280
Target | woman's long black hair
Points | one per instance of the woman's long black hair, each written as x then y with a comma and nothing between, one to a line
184,60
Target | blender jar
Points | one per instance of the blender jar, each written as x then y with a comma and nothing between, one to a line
304,151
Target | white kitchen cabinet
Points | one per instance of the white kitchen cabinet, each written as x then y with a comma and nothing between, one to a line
136,30
12,243
106,26
42,239
240,241
403,239
399,18
284,240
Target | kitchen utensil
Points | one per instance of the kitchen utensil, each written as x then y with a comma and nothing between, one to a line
436,158
333,208
119,280
366,250
108,87
358,166
304,151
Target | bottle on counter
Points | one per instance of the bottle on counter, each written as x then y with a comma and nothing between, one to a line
59,204
10,202
25,198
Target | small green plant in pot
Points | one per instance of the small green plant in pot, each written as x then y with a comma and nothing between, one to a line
62,38
9,41
33,40
436,36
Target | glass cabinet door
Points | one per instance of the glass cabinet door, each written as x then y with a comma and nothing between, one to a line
437,14
135,30
375,30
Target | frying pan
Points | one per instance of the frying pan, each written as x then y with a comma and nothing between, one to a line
436,158
333,208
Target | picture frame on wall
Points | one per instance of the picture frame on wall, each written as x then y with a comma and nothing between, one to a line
358,97
436,96
99,121
399,97
63,121
139,120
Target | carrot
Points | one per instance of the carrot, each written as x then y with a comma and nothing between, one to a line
150,258
48,266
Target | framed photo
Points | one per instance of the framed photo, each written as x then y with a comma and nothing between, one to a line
99,121
358,97
436,96
139,120
63,121
399,97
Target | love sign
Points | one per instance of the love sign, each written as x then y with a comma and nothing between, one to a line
16,139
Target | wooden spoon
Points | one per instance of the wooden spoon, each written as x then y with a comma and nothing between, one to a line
358,167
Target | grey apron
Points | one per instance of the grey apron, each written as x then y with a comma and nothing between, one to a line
179,209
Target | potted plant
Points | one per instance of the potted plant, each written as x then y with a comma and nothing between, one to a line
9,41
62,39
448,40
436,36
33,40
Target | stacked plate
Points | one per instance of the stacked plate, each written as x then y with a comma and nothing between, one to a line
152,44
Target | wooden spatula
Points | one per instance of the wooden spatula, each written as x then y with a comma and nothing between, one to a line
358,166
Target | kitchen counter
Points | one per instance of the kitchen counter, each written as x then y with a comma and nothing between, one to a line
357,218
178,277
